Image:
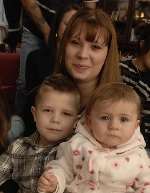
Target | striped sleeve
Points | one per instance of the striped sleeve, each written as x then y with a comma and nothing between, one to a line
139,81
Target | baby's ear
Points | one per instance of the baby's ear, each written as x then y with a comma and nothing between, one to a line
87,119
138,122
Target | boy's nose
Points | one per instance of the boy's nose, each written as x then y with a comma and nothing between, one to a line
55,117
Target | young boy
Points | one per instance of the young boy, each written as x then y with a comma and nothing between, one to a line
107,154
57,102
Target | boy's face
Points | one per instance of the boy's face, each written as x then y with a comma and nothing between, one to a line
55,115
113,123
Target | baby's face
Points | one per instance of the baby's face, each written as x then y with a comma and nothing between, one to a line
113,123
55,115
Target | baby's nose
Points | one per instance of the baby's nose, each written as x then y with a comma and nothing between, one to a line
114,125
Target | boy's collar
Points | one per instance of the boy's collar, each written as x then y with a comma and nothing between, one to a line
34,139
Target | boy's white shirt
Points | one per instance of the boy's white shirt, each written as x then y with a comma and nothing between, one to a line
99,160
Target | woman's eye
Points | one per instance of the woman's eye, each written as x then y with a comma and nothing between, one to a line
96,47
75,42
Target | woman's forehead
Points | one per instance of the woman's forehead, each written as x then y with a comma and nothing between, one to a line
87,32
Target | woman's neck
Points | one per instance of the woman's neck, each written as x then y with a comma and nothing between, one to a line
86,91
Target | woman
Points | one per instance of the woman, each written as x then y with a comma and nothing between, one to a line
136,73
88,52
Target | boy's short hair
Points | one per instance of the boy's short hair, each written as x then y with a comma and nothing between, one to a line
60,83
115,91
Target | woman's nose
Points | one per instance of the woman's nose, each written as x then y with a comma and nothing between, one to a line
83,52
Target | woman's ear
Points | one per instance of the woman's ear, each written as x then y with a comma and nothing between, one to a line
33,111
141,44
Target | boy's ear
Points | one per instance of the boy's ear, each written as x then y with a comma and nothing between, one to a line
33,111
87,119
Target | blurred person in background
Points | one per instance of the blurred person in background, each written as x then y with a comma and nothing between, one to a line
136,73
37,23
40,63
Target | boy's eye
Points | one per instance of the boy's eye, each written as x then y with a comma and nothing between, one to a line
124,119
68,114
105,118
47,110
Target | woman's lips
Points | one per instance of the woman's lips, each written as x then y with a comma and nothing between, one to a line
80,67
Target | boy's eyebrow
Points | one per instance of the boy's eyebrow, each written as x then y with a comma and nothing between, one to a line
45,106
65,109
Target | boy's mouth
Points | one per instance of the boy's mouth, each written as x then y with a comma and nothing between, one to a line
53,129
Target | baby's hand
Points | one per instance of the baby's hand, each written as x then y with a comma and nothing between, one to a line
47,183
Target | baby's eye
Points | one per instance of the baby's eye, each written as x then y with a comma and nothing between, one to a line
124,119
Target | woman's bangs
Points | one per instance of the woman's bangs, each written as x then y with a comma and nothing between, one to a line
93,31
75,29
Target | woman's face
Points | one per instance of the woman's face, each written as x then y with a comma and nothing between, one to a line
85,59
64,22
147,60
